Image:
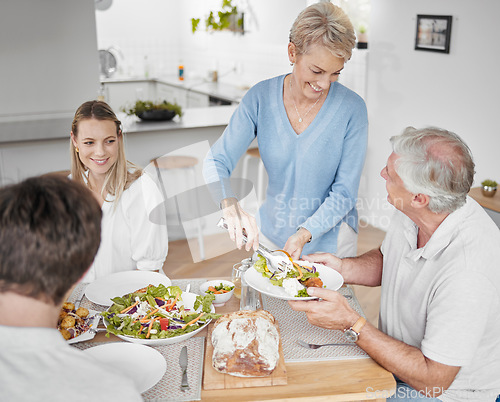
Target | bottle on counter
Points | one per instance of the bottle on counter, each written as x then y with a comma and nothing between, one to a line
181,72
146,67
101,93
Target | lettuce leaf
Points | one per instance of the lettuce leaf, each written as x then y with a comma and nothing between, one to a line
205,302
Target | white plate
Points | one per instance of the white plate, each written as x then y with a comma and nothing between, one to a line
188,300
87,335
144,366
331,280
103,289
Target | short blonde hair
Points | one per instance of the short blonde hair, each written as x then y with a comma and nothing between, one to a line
324,24
118,177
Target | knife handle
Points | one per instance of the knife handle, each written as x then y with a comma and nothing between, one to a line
184,382
261,250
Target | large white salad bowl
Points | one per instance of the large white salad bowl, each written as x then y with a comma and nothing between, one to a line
188,300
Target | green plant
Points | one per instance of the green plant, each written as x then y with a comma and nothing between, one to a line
226,19
489,183
146,106
194,24
362,29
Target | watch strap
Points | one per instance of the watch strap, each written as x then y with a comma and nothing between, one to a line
359,324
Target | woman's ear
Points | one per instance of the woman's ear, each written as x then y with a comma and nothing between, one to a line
75,144
292,52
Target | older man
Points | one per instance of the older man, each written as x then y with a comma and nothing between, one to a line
49,234
439,267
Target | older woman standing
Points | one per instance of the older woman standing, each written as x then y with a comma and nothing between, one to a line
312,135
127,196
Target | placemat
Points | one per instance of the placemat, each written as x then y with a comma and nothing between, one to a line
294,325
168,388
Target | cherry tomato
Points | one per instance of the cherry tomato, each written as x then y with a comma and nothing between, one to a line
164,324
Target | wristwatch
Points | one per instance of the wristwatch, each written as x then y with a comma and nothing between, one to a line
352,334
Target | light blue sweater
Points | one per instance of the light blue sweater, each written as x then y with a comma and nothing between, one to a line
313,177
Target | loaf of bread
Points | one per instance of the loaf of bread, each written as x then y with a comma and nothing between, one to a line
246,344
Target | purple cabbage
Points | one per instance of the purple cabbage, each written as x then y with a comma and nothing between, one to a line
132,310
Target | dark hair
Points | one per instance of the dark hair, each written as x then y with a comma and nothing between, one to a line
50,230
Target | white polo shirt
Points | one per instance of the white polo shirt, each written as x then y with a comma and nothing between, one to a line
133,236
37,364
444,298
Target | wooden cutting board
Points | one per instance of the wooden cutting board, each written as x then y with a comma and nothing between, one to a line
212,379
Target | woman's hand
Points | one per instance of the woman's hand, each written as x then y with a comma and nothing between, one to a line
238,220
296,243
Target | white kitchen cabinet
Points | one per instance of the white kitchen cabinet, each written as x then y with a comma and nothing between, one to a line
171,94
196,99
125,94
184,97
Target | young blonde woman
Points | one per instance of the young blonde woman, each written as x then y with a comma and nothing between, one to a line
130,239
312,136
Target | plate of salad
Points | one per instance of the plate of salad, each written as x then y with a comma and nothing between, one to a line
291,283
103,289
158,315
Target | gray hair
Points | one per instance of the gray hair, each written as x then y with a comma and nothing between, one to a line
324,24
437,163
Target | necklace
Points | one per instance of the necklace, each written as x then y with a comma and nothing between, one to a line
295,105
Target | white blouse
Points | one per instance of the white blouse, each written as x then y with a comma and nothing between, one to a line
134,233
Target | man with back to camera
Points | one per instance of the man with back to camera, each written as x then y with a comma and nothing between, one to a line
50,230
439,271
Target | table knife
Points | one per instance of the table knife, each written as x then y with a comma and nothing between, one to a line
79,300
183,361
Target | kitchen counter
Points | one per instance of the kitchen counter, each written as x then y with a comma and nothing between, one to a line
219,90
192,118
60,127
33,147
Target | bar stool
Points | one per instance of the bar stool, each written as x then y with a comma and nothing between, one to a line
253,153
188,164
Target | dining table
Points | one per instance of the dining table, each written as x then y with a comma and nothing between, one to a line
326,374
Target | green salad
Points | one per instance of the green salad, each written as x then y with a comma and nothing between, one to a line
294,278
157,312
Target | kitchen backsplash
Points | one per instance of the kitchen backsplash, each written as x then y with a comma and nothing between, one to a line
156,37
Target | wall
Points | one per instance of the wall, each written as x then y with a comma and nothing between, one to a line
161,30
457,91
49,63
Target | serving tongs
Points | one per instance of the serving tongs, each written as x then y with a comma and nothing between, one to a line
277,260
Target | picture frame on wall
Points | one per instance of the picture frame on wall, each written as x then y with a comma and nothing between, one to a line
433,33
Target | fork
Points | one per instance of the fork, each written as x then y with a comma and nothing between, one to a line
276,263
96,330
313,346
